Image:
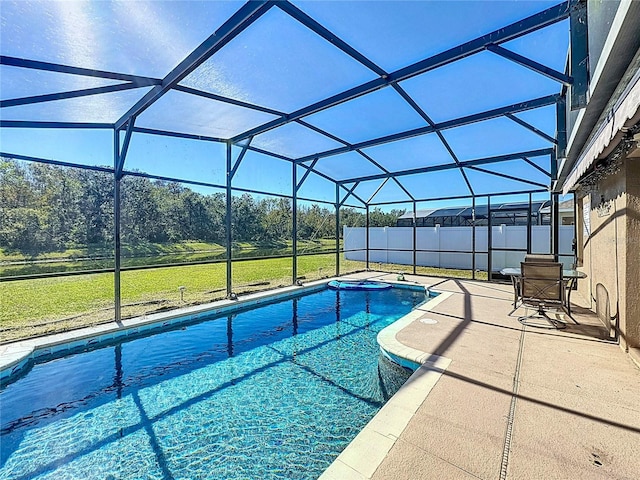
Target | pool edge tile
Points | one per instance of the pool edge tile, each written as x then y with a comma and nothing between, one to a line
370,447
339,470
362,457
15,357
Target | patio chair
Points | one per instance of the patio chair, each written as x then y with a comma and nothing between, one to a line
535,257
542,287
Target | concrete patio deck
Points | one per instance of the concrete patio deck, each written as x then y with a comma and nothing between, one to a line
515,402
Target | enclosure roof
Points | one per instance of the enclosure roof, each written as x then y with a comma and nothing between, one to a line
445,99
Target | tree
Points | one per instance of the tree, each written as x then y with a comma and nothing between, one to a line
277,219
246,218
46,207
216,213
140,216
350,217
378,218
40,206
19,221
169,201
315,222
96,204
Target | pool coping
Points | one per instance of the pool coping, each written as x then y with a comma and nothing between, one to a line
362,457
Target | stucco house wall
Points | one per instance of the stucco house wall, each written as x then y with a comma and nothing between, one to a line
632,277
610,248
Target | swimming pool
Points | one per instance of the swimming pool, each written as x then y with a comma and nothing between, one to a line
273,392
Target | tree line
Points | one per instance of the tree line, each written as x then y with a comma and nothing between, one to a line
45,208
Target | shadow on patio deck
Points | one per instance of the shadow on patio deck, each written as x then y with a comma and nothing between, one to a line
516,402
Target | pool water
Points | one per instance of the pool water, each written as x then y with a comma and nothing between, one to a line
271,393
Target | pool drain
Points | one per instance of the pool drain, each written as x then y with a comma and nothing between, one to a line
428,321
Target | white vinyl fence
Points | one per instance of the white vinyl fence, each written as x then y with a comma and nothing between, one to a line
395,245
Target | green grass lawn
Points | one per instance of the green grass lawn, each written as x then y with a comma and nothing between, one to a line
42,306
39,306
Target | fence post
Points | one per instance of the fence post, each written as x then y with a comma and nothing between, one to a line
228,222
116,228
337,229
415,236
555,225
473,237
489,238
117,248
366,241
294,221
529,226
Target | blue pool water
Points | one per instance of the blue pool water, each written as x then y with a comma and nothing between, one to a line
271,393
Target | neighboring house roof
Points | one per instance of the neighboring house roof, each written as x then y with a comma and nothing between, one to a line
481,210
566,206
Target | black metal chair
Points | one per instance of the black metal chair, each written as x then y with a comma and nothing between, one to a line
542,287
515,280
539,258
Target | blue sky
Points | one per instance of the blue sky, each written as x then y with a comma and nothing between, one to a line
280,64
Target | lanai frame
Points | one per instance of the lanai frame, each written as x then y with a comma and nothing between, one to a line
573,88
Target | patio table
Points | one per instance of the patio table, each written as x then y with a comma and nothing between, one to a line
568,276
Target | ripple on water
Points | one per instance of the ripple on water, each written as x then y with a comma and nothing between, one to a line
271,393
